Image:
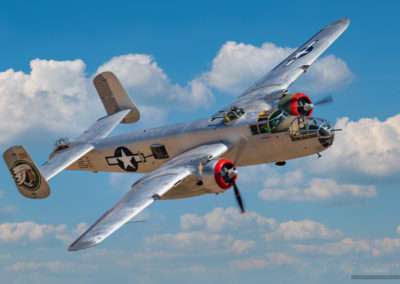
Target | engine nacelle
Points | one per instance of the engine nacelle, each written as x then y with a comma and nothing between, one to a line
296,104
218,174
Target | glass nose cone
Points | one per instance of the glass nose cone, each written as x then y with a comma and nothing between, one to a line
325,134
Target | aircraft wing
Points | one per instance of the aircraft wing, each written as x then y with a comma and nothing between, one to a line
146,190
277,81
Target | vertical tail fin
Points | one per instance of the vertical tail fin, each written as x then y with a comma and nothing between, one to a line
114,97
26,175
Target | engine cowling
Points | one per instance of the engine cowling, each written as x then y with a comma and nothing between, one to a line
218,174
296,104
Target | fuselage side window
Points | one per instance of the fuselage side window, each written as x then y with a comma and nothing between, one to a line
268,121
263,127
254,129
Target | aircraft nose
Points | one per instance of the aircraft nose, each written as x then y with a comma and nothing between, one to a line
326,134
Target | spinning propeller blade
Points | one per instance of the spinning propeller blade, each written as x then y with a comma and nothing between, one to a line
326,100
238,197
241,146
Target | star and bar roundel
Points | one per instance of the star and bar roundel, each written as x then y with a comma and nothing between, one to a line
125,159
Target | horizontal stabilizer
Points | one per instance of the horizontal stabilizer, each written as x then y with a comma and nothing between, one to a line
82,144
28,178
64,158
114,97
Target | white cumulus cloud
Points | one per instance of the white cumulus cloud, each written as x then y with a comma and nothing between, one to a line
251,263
33,232
54,267
220,219
302,230
320,189
145,80
325,75
59,97
373,247
297,186
240,246
189,240
278,258
11,232
239,65
269,260
53,96
368,147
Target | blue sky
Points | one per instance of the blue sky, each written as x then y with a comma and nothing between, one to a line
180,61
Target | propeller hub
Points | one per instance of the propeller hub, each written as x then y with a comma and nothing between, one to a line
308,107
232,173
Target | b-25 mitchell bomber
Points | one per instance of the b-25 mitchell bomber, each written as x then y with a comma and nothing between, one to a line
265,124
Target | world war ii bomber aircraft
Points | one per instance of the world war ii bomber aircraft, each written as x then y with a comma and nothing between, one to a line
263,125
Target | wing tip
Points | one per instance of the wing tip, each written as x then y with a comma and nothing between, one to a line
345,21
77,245
339,25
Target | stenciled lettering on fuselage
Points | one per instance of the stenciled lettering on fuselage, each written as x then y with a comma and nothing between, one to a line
125,159
305,50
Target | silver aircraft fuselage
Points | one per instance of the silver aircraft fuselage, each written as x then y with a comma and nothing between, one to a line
283,144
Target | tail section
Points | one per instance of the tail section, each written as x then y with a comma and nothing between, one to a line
114,97
28,178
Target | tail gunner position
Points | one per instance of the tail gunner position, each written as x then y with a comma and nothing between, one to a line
265,124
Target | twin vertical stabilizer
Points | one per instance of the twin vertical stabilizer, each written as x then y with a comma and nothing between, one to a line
28,178
114,97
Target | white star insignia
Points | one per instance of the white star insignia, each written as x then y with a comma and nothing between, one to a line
126,160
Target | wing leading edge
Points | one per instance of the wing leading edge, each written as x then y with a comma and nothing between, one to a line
147,190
